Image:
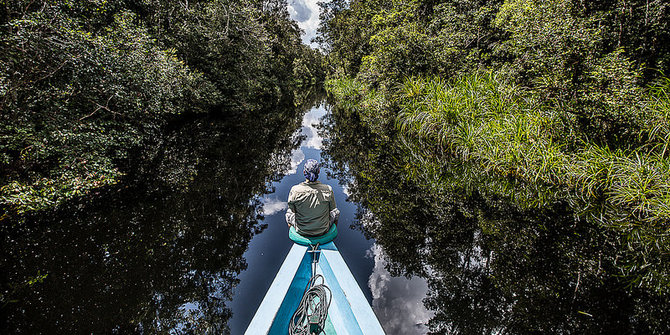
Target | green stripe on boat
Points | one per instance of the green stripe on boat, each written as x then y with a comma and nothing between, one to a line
305,240
349,312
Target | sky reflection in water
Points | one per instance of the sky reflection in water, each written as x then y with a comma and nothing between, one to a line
396,300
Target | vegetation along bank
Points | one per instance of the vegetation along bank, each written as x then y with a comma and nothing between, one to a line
90,89
540,103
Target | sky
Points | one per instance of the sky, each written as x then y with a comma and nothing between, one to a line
306,13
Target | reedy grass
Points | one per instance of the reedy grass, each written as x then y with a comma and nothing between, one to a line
480,133
482,120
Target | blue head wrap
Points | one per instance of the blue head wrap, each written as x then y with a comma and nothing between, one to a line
311,170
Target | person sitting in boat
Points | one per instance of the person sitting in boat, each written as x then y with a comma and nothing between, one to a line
312,213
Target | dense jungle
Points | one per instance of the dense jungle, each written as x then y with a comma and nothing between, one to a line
513,154
522,148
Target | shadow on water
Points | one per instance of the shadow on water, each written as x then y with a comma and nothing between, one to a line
160,252
491,268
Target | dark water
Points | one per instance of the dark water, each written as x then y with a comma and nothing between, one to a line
192,239
189,243
397,301
491,267
161,251
267,250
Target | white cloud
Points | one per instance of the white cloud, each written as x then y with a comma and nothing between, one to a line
306,13
273,206
299,11
398,301
297,156
312,118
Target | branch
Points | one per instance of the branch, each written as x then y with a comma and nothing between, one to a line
106,107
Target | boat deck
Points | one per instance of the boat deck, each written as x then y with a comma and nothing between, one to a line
349,312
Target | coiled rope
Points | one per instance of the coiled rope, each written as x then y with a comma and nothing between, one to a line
310,317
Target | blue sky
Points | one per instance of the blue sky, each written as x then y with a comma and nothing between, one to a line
306,13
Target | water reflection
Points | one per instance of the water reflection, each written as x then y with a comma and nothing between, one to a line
272,206
161,252
309,128
490,267
267,251
398,301
309,135
297,157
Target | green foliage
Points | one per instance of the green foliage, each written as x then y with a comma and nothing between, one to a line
484,135
86,87
346,33
76,102
590,59
483,121
535,102
529,268
564,55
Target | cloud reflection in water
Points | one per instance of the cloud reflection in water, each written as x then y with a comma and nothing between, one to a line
397,301
309,122
273,206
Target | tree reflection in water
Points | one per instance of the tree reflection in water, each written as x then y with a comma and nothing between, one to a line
491,267
161,252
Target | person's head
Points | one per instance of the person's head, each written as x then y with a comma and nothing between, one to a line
311,170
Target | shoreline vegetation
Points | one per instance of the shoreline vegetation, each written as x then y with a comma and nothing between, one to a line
515,153
536,102
89,90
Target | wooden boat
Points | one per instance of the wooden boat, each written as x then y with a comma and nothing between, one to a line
349,311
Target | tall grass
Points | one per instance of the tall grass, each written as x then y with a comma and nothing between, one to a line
503,133
482,120
481,133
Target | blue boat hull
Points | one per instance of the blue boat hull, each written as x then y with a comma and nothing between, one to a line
349,311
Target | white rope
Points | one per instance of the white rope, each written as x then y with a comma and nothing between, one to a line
310,317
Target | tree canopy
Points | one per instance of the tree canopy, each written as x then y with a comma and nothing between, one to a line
85,84
536,102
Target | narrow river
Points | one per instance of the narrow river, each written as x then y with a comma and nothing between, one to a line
396,300
191,240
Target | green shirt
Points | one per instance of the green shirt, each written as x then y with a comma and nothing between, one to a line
312,203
